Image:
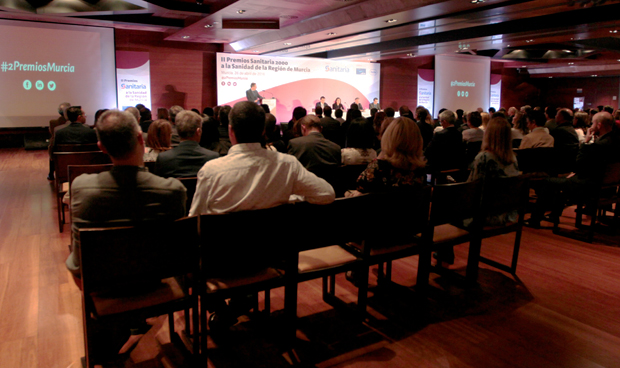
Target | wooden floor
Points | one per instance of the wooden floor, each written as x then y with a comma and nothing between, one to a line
562,311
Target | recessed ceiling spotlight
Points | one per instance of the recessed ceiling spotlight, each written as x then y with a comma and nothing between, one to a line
287,44
369,59
185,37
255,51
594,75
507,45
208,25
240,11
618,59
550,77
571,63
477,1
524,66
331,34
411,54
392,20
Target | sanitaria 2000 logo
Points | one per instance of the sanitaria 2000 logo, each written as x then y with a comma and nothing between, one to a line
133,86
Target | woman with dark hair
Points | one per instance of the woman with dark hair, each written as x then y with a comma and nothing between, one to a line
159,139
162,113
338,105
359,142
273,135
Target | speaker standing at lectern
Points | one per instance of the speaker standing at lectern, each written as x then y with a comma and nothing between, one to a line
252,94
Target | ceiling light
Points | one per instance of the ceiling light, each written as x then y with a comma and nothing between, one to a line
256,51
208,25
594,75
240,11
571,63
185,37
287,44
477,1
411,54
392,20
550,77
331,34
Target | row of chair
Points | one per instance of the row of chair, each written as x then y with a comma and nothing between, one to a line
238,253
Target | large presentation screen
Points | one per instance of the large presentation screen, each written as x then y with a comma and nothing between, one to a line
295,81
43,65
462,82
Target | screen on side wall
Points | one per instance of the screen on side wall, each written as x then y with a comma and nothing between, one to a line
462,82
296,82
44,64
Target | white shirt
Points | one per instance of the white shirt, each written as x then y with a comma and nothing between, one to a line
251,177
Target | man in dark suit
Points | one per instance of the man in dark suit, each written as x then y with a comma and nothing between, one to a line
252,94
188,157
322,104
76,132
446,150
591,162
331,127
55,125
359,104
317,154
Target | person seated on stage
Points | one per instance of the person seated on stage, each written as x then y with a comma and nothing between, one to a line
248,178
400,165
338,105
158,139
76,132
184,160
359,104
538,135
322,104
316,153
359,143
591,162
375,104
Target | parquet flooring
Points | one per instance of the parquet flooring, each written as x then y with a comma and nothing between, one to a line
563,310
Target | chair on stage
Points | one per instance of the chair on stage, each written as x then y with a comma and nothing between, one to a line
133,273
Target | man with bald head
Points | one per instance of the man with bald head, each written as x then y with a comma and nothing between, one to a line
601,148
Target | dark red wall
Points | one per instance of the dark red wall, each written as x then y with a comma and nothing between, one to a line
399,81
182,73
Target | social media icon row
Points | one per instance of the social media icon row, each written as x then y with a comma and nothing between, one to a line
51,85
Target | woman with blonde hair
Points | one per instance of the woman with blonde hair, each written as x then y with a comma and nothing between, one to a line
159,139
401,161
485,120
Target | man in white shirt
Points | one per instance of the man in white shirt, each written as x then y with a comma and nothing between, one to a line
251,177
539,135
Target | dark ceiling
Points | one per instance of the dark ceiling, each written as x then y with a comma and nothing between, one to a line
548,38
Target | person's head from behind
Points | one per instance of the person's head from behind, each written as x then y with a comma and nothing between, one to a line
327,111
246,123
474,120
173,112
535,118
119,135
318,111
62,108
581,120
224,115
389,112
338,114
353,114
498,140
608,109
134,111
75,114
189,125
309,124
272,130
360,134
298,113
563,116
447,118
401,144
159,135
208,111
162,113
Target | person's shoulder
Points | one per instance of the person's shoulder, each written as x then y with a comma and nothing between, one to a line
150,180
